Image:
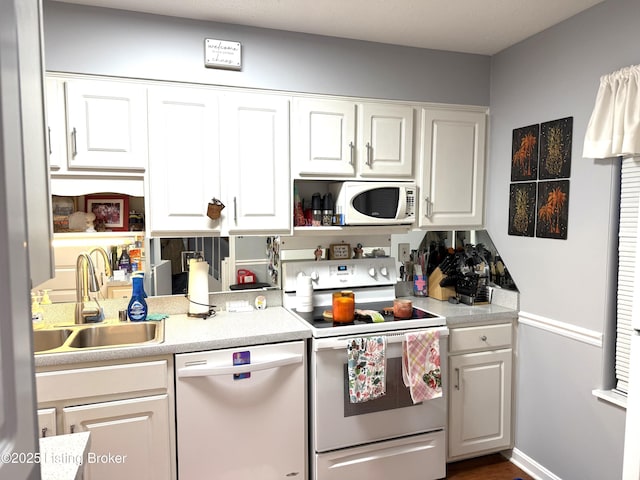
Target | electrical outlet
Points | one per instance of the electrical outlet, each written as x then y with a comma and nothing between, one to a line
404,252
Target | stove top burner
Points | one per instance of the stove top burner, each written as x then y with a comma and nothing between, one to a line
317,320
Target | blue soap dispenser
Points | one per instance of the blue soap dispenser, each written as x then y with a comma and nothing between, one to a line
137,309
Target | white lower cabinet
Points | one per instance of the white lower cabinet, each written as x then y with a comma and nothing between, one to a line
47,422
127,407
480,379
129,438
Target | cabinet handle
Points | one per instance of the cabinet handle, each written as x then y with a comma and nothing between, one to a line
235,210
44,431
352,148
428,207
74,147
72,428
457,385
49,140
369,161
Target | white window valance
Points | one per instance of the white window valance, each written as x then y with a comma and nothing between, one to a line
614,127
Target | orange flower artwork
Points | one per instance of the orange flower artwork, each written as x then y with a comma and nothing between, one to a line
524,153
553,209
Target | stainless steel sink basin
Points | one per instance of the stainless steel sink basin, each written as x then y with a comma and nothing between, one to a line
108,334
44,340
115,335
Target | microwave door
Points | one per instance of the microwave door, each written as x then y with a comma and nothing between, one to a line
378,203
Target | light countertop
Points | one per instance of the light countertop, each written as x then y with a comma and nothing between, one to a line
233,329
188,334
62,457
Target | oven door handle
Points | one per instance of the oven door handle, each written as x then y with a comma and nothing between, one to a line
340,343
206,370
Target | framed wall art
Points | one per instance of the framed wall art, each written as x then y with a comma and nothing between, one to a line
522,209
553,209
555,149
524,153
110,210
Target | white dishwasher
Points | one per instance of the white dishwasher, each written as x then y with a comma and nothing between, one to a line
241,413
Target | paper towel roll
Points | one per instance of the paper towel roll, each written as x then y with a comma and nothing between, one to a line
304,293
198,289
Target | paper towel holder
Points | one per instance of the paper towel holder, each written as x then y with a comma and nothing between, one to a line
198,287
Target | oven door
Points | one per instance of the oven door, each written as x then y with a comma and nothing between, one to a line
337,423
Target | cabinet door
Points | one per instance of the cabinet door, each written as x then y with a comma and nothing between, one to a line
480,402
184,172
129,438
56,129
107,125
47,422
453,162
254,152
386,144
324,137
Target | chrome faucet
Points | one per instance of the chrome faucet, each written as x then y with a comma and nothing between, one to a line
87,281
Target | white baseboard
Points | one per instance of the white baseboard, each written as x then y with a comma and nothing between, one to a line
529,465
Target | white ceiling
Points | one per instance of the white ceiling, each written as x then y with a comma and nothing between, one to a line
471,26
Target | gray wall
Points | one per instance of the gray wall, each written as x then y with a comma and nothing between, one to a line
111,42
556,74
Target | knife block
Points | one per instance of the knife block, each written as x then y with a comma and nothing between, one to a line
435,290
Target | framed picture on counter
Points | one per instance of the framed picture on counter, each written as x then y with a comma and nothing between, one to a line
110,210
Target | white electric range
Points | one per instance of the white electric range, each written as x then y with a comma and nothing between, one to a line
382,437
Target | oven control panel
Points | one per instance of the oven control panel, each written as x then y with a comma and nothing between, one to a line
332,274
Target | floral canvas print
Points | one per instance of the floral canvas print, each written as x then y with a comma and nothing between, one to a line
524,153
555,149
553,209
522,209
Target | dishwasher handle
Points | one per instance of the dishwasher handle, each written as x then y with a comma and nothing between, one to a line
206,370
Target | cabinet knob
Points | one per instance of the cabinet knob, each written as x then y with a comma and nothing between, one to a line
483,338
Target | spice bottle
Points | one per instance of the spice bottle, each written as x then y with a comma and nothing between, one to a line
327,210
316,210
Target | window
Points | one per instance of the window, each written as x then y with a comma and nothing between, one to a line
628,239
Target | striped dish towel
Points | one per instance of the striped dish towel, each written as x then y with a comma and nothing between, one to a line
421,365
366,365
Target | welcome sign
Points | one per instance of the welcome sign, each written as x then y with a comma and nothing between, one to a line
222,54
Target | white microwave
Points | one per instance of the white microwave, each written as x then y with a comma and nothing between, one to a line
375,203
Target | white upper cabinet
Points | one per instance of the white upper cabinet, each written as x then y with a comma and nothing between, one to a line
106,125
254,155
56,128
453,164
184,166
340,138
324,137
385,147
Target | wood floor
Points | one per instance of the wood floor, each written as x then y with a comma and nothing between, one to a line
489,467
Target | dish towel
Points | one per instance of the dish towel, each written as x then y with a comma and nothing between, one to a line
421,365
366,365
